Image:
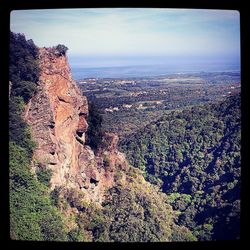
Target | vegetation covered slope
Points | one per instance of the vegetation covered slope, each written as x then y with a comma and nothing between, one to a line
133,210
32,215
194,155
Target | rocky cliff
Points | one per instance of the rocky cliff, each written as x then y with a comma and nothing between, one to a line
57,115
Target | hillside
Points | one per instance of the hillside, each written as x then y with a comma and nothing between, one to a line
62,189
194,156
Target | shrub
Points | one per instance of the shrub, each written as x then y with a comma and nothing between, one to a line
32,217
106,161
54,195
23,61
76,234
25,89
19,131
44,175
94,133
62,49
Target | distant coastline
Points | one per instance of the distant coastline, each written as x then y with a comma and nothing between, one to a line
148,71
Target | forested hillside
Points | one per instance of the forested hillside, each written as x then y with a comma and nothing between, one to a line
133,211
194,156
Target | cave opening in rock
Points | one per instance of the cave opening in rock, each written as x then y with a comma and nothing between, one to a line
79,133
82,114
93,181
52,125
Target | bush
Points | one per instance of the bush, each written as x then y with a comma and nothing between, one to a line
25,89
106,161
94,133
182,234
19,131
62,49
32,217
76,234
52,227
23,75
54,195
23,61
44,175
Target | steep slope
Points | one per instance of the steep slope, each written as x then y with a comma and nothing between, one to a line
57,115
194,156
53,114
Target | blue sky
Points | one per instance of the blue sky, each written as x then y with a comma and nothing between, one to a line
121,36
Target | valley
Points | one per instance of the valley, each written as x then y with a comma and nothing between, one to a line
129,104
183,133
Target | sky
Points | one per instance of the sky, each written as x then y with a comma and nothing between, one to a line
125,36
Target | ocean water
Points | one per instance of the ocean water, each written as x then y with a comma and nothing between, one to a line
149,70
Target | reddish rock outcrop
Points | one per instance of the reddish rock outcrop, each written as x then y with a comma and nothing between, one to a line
57,115
54,118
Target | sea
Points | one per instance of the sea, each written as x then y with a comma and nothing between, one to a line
79,72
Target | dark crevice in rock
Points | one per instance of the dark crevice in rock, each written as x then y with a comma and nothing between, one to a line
62,99
83,114
93,181
52,163
79,133
78,138
52,125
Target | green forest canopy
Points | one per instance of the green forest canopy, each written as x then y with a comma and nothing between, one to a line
194,156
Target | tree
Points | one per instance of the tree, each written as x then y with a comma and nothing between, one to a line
61,49
32,216
18,130
44,175
23,65
94,133
25,89
199,149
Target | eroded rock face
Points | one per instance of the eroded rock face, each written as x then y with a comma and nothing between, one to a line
57,115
